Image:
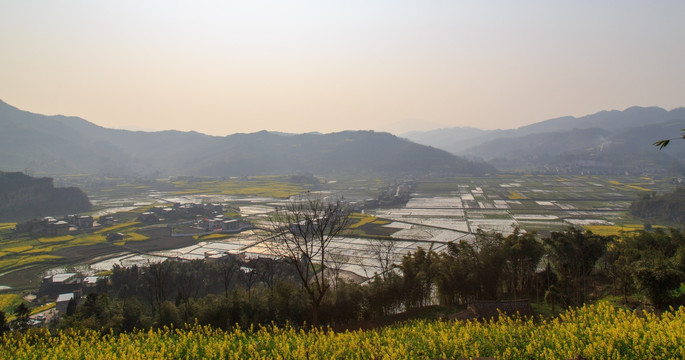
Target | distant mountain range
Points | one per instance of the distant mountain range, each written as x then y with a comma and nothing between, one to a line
71,145
605,142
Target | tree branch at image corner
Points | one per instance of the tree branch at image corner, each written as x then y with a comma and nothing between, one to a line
663,143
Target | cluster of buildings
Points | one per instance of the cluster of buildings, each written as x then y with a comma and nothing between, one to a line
51,226
64,287
211,217
180,211
223,224
393,195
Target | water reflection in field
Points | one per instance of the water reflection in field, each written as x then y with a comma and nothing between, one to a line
431,218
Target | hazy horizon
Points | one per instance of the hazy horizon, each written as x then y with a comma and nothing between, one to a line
399,128
222,68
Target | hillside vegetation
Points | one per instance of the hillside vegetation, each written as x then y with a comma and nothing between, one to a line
23,196
608,142
69,145
669,208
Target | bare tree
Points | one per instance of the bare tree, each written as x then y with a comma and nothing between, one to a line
228,270
249,278
336,261
302,231
158,276
269,271
383,251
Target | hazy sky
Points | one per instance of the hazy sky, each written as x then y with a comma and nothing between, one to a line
224,67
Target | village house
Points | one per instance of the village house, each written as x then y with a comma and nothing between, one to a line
106,220
148,217
85,222
51,285
115,237
212,224
62,302
34,226
80,221
95,284
52,227
230,225
57,228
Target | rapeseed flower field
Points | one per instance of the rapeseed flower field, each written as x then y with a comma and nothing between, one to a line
599,331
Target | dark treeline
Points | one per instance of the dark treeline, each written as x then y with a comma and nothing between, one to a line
23,197
668,207
566,269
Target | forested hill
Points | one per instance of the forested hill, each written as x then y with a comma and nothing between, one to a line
67,145
355,152
23,197
608,142
669,208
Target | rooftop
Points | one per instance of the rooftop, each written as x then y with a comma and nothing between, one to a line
62,277
65,297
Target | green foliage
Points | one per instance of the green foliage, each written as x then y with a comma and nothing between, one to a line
4,326
71,307
523,253
573,255
663,143
23,197
578,267
21,317
9,301
669,207
455,279
384,295
418,272
490,267
658,267
167,315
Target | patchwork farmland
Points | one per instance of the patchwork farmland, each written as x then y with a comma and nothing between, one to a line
438,211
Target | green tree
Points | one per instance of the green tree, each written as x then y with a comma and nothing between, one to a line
167,315
660,268
132,312
619,263
418,270
158,277
71,307
523,252
456,278
491,258
21,313
658,277
385,295
4,327
573,254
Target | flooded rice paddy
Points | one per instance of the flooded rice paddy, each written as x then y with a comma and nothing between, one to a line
437,212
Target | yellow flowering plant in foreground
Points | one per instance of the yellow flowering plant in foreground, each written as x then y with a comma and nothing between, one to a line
595,332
